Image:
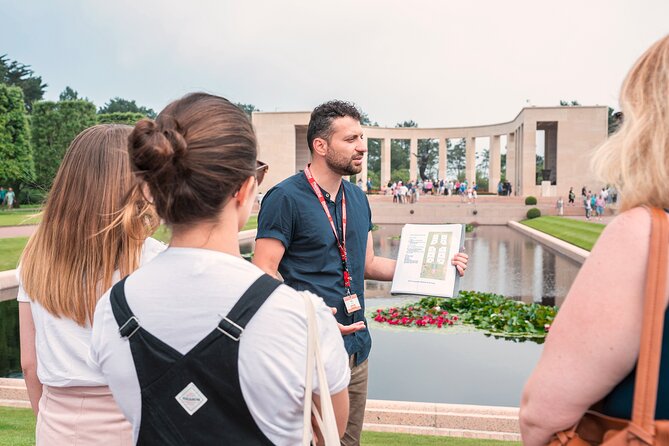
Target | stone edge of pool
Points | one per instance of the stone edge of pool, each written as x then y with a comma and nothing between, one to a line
560,246
453,420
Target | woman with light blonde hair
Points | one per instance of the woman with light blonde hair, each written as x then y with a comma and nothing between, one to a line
87,240
592,349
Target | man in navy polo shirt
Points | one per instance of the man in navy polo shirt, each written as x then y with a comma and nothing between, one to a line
315,229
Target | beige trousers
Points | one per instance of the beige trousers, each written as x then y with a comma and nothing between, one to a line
357,395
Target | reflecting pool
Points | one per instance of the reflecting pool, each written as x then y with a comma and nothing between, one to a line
451,365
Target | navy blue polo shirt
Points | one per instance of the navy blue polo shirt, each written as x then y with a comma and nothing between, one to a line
292,214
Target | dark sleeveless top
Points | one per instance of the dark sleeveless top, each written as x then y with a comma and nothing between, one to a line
618,403
196,398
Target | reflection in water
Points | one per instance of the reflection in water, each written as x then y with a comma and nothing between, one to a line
500,261
467,368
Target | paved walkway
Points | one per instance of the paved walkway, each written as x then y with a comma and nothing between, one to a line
17,231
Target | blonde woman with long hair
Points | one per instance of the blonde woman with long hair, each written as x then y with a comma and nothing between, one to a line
87,240
592,349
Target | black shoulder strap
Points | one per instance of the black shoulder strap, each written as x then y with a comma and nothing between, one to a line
246,307
126,320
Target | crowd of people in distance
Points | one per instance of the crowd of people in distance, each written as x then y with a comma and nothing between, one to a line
595,204
411,191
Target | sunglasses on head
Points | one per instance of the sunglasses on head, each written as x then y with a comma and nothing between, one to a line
261,170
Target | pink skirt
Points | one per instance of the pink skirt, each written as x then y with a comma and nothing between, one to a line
80,416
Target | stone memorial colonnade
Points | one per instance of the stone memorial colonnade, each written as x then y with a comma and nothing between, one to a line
570,134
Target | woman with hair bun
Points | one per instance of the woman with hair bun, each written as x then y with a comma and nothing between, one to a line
87,240
211,350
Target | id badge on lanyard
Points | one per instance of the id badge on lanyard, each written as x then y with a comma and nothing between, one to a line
351,301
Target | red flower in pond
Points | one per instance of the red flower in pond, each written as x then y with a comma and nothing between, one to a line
450,322
455,318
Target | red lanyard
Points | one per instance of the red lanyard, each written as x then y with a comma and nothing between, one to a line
340,244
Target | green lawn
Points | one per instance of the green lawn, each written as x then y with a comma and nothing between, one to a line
392,439
19,217
10,251
580,233
11,248
17,428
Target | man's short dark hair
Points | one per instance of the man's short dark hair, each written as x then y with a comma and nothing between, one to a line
320,124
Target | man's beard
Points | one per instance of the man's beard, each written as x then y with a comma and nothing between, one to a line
340,164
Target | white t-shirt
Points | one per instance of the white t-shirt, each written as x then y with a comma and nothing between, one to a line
180,298
62,345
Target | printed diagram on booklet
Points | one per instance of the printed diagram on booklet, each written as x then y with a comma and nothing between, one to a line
435,259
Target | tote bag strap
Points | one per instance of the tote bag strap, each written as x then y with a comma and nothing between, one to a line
327,423
648,364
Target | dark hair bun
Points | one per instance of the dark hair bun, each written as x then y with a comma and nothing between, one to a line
194,156
155,153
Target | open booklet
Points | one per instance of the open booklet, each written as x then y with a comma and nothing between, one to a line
424,260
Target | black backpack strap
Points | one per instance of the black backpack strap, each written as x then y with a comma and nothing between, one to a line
126,320
246,307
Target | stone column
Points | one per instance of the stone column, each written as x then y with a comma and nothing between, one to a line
385,162
413,159
470,165
511,159
529,160
495,164
363,173
442,159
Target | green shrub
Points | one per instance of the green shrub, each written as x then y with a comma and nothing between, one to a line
127,118
32,196
530,200
533,213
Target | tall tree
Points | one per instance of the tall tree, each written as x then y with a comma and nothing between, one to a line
54,126
374,161
427,156
615,120
366,120
483,170
502,159
247,108
116,105
457,161
17,167
22,76
68,94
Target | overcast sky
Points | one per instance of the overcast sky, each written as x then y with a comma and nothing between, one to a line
440,63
